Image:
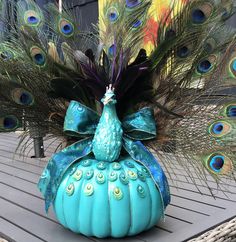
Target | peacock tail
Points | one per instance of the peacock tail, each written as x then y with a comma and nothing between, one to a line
187,77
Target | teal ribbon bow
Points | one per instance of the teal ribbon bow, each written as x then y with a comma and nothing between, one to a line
81,121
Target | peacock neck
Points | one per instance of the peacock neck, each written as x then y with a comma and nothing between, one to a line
109,111
107,141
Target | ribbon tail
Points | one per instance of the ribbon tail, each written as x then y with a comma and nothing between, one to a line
58,165
142,155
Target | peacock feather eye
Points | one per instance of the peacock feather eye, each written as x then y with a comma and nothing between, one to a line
137,24
38,56
209,45
206,65
66,28
183,52
231,111
200,14
219,164
9,122
220,128
233,67
112,14
170,34
228,110
133,3
32,18
112,50
22,97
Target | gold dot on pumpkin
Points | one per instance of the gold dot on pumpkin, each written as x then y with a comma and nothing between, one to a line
118,194
88,190
78,174
70,189
132,175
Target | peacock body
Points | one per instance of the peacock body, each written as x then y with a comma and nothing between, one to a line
120,106
107,141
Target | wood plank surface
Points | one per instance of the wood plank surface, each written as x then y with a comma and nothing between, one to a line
22,215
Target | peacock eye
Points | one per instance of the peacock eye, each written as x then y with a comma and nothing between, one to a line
204,66
220,128
219,164
216,163
170,33
133,3
201,13
112,14
233,67
66,27
183,52
32,18
22,97
231,111
39,59
38,56
112,50
9,122
198,16
137,24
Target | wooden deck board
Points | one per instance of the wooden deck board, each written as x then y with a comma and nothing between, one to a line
22,215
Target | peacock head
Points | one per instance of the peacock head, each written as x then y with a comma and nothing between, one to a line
109,97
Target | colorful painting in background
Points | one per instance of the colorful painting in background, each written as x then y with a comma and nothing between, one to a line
159,10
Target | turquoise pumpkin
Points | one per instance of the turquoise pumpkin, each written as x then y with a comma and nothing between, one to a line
105,199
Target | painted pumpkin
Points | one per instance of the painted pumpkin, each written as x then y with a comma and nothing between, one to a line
108,199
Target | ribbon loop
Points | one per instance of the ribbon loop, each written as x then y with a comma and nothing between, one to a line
80,120
140,125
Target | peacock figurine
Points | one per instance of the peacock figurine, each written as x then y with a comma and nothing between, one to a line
124,112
